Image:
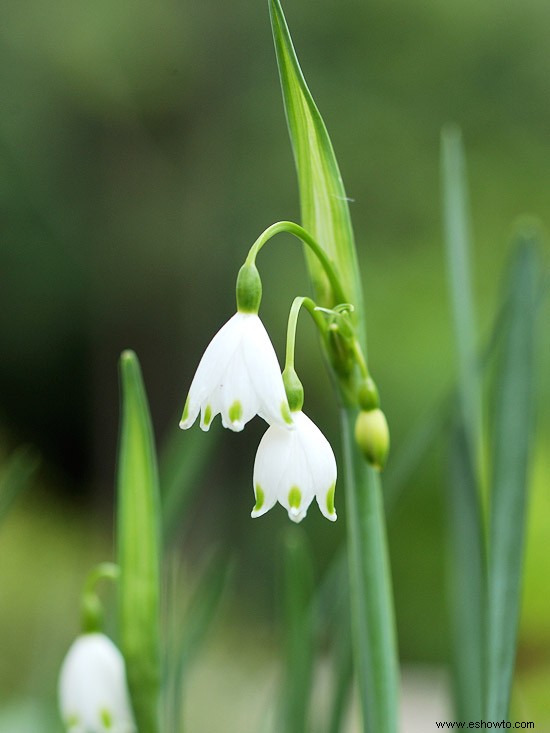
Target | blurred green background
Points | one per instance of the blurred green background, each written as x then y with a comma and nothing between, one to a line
143,147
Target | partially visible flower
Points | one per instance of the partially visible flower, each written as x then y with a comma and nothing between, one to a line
292,467
93,693
239,377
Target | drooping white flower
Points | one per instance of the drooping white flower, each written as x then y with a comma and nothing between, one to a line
239,377
93,693
292,467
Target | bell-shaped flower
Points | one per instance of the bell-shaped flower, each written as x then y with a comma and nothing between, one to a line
292,467
239,377
93,693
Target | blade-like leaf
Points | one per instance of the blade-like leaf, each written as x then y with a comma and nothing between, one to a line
16,475
467,582
324,205
513,434
299,631
138,545
457,241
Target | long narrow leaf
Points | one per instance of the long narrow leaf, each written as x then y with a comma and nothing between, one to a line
467,582
513,434
324,205
458,245
138,540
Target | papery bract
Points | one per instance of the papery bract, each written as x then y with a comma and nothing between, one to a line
292,467
239,377
93,693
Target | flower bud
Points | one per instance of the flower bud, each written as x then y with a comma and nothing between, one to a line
373,437
249,289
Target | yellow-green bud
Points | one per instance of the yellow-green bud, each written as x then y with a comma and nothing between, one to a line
373,436
249,289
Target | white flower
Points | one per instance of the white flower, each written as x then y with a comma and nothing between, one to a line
93,694
292,467
239,376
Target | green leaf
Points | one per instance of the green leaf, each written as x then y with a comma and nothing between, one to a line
299,631
467,582
138,545
458,245
324,205
16,476
513,435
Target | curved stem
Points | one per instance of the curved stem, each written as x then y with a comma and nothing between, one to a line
91,608
299,232
297,303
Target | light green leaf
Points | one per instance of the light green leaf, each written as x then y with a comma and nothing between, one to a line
513,435
458,245
324,205
138,545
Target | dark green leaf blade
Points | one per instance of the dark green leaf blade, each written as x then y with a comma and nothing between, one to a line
513,434
467,581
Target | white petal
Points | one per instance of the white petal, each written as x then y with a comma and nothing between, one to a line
93,694
322,463
239,403
209,374
293,466
265,375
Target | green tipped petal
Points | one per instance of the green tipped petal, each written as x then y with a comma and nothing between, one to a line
330,499
260,498
294,497
235,412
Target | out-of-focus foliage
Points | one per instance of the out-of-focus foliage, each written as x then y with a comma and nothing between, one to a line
142,149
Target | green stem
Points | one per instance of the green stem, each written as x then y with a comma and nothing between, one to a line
299,232
373,625
91,608
310,306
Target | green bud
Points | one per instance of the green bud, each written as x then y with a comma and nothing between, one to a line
367,395
373,436
293,388
249,289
